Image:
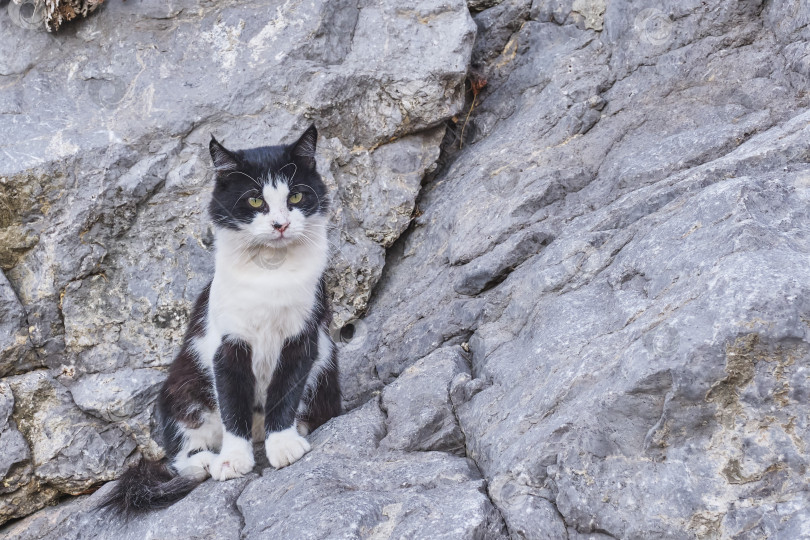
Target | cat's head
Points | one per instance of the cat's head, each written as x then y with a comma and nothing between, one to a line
272,195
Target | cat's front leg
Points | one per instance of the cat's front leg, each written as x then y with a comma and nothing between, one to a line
283,444
235,385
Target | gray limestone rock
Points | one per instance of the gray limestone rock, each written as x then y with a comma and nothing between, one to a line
69,451
422,495
15,456
390,176
14,452
6,404
207,513
419,410
633,368
107,267
15,348
349,488
117,396
600,288
105,179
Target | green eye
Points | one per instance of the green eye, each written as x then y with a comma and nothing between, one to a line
255,202
295,198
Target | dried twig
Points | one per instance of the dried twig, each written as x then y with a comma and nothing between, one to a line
477,83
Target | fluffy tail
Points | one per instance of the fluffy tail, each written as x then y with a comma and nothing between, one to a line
149,485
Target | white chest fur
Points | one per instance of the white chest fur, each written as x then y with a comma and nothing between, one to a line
262,299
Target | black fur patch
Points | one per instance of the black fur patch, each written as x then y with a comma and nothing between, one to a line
241,174
289,379
188,391
236,385
324,402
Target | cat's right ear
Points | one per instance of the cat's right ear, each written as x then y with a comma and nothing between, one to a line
224,160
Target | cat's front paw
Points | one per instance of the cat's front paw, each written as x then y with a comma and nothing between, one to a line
285,447
236,465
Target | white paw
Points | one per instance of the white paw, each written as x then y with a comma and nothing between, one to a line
225,467
285,447
196,466
235,459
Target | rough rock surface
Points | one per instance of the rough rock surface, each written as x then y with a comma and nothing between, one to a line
419,407
369,491
104,242
208,512
606,277
624,247
15,348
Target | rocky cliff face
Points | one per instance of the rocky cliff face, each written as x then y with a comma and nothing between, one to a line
572,302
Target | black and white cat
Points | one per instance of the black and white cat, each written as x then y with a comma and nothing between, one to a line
257,361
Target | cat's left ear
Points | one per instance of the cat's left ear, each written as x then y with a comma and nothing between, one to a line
224,160
303,150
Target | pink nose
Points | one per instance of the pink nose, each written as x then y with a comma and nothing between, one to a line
281,227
